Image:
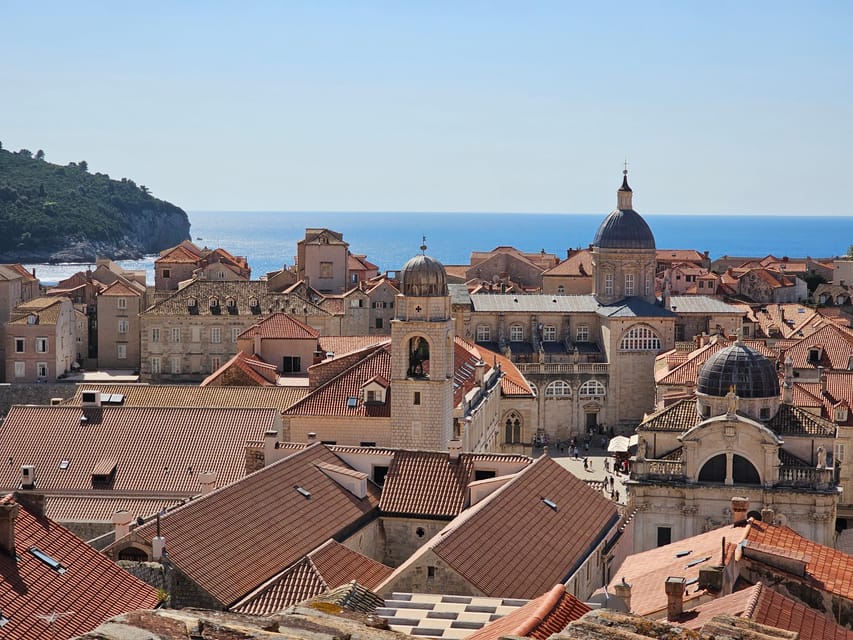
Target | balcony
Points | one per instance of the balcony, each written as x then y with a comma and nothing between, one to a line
561,368
806,477
658,470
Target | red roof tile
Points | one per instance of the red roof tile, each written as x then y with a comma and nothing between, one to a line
540,618
827,569
281,326
40,602
836,345
249,370
328,566
513,544
239,536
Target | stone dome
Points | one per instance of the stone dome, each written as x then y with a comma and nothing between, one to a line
750,373
624,229
423,276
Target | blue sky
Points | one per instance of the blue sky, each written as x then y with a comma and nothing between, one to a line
724,107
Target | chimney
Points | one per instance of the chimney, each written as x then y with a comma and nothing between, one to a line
768,515
8,516
822,375
28,476
207,480
788,383
674,597
122,520
158,547
622,590
455,449
312,437
740,506
480,371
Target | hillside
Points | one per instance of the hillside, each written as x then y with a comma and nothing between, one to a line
53,213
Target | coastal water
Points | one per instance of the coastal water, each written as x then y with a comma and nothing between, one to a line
268,239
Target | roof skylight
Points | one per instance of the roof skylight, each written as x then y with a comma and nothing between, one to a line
304,492
550,503
53,563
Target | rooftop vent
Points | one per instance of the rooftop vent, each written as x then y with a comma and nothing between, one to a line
90,398
550,503
303,492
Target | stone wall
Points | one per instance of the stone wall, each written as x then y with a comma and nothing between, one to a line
33,393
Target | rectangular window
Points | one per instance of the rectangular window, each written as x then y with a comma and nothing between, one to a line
292,364
629,284
235,331
167,273
41,345
121,351
582,333
325,269
155,334
176,334
648,288
608,284
41,369
373,395
215,363
20,345
20,369
516,333
484,333
549,333
417,398
215,335
378,323
155,366
664,535
123,325
195,334
121,303
379,473
176,364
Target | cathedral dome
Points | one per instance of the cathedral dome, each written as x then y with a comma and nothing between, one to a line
423,276
624,228
750,373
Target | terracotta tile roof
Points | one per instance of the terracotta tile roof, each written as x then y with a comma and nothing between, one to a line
68,509
121,289
20,270
579,264
647,571
340,345
429,484
332,398
182,395
795,421
513,383
90,590
836,345
679,255
153,447
329,566
46,308
281,326
360,263
679,416
234,539
513,544
186,252
688,371
839,390
826,569
465,358
246,369
539,619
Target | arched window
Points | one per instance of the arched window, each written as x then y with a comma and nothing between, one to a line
133,554
591,389
640,339
513,429
561,289
418,357
484,333
549,333
516,333
743,471
558,389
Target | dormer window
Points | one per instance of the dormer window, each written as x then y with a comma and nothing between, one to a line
374,390
253,303
815,354
214,302
230,302
191,302
841,413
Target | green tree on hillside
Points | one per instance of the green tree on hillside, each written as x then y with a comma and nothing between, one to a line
39,155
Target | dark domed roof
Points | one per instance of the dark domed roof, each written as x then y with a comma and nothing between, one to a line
750,373
624,229
423,276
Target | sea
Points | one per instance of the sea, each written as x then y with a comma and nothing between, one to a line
268,238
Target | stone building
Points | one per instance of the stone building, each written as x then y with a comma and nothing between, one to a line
737,435
590,357
41,340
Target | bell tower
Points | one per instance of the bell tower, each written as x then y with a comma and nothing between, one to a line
422,347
